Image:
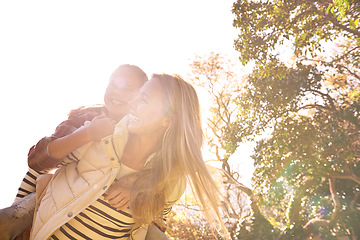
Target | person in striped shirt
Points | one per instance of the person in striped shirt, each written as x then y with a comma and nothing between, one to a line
155,149
123,85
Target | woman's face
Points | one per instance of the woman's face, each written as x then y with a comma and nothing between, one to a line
147,110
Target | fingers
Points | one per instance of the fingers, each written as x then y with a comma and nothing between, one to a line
118,196
111,195
100,117
120,201
104,115
123,204
100,127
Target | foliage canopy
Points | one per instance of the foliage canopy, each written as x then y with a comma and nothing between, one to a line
304,113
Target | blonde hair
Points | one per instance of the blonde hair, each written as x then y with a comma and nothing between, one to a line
180,157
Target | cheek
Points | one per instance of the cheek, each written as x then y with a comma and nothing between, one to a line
125,108
154,116
107,94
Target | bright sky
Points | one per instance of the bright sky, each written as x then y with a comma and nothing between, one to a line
58,55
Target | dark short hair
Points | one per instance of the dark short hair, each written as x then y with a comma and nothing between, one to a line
138,72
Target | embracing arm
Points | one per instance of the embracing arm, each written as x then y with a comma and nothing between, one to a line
49,151
98,128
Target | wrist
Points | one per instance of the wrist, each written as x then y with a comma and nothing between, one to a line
87,134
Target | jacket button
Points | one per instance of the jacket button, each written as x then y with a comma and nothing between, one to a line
104,188
112,159
70,214
106,142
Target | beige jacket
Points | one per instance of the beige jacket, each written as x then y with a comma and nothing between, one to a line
76,185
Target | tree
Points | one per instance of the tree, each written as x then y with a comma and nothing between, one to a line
214,75
304,114
265,25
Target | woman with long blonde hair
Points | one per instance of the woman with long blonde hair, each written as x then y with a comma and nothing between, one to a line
151,155
179,156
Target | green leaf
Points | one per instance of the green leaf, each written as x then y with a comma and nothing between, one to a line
328,8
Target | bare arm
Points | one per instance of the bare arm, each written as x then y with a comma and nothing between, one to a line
98,128
59,148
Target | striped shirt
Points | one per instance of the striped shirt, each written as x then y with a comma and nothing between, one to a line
98,221
28,184
101,221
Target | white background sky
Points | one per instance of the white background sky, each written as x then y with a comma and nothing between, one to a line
58,55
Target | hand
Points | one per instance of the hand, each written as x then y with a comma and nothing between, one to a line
101,127
118,196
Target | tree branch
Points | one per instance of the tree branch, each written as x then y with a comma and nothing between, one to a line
327,96
348,174
354,201
332,108
336,201
353,73
312,106
350,177
335,22
294,212
247,191
344,55
319,222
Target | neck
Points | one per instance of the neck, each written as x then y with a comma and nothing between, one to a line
137,150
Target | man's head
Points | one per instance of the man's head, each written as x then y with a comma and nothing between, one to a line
124,85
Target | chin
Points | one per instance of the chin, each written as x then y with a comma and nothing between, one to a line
117,116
